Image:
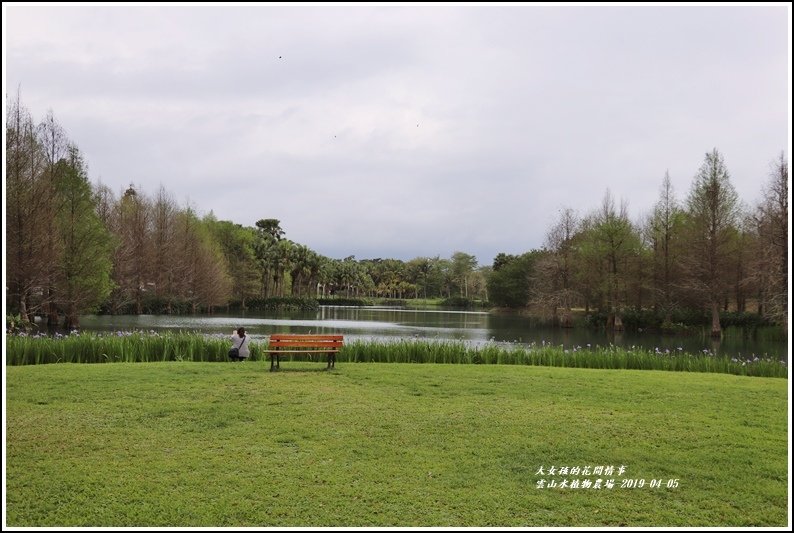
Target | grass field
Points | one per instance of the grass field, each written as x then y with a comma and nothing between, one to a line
223,444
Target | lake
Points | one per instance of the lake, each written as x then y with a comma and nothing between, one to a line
472,327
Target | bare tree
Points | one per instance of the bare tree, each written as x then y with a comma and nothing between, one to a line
132,271
463,266
28,207
663,231
212,282
613,243
740,256
54,145
554,287
201,272
712,207
163,218
105,204
771,220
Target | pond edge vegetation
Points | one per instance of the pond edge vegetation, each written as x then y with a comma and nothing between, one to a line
137,346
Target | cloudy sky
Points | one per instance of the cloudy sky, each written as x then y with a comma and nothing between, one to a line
406,131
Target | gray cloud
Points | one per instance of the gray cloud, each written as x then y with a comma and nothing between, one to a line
406,131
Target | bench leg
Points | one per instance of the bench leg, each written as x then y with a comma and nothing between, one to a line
274,359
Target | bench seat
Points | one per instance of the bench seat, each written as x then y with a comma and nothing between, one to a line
282,343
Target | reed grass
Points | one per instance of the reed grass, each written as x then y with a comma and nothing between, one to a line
151,347
606,357
125,347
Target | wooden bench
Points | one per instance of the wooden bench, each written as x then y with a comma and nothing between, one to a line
303,345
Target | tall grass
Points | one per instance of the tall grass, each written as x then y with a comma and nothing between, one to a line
609,357
146,347
127,347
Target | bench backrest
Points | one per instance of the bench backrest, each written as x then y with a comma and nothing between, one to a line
320,342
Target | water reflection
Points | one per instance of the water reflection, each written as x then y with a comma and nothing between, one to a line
385,323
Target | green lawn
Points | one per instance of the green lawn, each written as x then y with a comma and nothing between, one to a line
222,444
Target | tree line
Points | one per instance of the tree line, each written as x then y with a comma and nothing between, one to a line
73,247
707,252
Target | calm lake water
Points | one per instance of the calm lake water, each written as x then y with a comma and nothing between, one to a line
388,323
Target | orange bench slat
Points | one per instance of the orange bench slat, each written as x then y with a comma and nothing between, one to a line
288,336
327,345
317,343
307,352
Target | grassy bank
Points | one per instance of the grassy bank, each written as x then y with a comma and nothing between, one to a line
151,347
201,444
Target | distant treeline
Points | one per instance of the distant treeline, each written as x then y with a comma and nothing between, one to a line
74,247
707,253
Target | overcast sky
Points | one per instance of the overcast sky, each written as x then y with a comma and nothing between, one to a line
407,131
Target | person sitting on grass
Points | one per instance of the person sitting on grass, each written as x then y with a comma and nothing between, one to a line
239,341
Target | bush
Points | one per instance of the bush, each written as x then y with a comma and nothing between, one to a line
743,320
17,324
459,302
679,320
643,319
355,302
275,304
595,319
150,306
394,302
